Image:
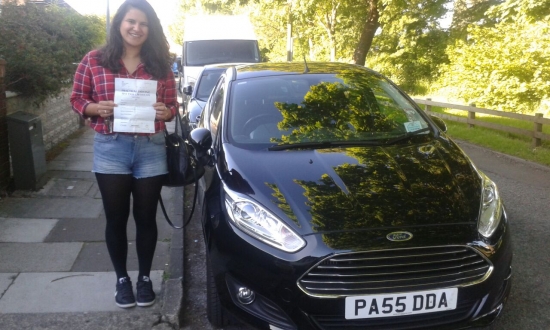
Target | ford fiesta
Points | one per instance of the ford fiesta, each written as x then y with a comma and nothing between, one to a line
331,201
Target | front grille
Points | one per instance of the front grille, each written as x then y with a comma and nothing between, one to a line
398,270
464,310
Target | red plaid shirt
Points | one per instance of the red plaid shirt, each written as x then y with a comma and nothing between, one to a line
94,83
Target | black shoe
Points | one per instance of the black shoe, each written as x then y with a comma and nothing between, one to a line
124,294
145,293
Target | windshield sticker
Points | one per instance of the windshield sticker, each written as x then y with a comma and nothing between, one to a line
411,114
412,126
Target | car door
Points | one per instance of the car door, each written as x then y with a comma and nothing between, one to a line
211,118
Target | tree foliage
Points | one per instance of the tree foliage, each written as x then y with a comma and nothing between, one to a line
270,19
505,66
411,44
466,12
494,53
41,43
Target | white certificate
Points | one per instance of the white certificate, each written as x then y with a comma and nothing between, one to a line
134,112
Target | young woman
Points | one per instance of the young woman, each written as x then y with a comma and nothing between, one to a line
128,165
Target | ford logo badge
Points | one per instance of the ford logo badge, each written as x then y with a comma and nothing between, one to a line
399,236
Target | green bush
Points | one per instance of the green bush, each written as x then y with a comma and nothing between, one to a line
41,44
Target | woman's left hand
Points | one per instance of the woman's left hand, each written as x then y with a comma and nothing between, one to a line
163,113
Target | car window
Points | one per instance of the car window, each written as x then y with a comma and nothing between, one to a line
319,107
216,106
206,83
391,100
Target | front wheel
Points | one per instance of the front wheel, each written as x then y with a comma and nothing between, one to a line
214,310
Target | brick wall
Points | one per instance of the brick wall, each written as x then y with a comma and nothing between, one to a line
58,119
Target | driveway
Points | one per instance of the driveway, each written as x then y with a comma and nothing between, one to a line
525,189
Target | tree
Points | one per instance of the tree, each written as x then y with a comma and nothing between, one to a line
505,66
410,44
321,29
521,11
369,26
41,44
327,14
466,12
270,19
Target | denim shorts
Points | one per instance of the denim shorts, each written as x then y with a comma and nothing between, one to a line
140,155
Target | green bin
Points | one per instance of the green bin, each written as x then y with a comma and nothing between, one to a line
28,154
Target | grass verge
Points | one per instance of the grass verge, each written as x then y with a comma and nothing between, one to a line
506,143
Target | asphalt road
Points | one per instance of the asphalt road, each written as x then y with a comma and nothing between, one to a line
525,189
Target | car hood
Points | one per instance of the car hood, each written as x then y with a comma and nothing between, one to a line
359,188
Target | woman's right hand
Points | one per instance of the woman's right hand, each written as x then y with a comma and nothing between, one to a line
105,108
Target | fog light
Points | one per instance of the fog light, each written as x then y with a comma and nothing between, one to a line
245,296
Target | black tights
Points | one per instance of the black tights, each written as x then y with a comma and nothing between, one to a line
115,191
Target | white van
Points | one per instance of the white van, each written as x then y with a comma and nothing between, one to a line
215,39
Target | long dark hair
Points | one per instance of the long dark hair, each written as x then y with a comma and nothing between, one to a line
155,53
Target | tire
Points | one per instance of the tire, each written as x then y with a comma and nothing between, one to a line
214,309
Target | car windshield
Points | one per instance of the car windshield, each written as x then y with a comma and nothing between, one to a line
332,109
206,83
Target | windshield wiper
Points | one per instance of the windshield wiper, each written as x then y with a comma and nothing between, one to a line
407,135
323,144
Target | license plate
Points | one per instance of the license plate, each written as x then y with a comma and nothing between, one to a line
410,303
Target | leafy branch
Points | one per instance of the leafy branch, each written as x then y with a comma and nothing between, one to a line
41,43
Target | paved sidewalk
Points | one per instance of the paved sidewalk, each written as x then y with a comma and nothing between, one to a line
55,271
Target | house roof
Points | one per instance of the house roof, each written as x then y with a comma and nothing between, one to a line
60,3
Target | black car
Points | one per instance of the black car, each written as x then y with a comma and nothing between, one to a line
330,200
199,93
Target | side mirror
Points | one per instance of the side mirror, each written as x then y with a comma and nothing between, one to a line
201,140
188,90
439,123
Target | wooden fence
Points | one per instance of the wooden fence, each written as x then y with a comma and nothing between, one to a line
536,134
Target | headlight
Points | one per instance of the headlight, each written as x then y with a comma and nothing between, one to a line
259,223
491,208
